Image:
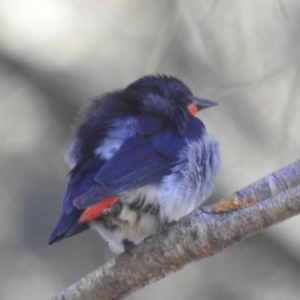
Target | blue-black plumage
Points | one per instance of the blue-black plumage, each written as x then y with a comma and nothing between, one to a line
143,148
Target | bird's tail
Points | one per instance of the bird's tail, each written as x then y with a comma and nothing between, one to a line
66,226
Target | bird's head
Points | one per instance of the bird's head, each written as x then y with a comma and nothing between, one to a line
165,94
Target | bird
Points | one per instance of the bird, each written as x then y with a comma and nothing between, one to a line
140,160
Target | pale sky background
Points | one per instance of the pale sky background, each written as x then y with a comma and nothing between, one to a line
55,55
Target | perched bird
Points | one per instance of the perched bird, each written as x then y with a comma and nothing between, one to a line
140,160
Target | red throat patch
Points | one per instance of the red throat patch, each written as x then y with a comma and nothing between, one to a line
192,109
95,210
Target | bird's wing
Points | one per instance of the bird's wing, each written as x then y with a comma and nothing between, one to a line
139,161
81,178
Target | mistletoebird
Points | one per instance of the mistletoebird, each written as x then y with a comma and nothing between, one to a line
139,161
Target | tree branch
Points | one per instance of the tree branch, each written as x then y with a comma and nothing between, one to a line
196,236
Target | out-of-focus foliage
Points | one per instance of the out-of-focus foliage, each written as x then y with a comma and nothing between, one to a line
56,54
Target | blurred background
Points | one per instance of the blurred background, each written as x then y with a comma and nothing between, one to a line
55,55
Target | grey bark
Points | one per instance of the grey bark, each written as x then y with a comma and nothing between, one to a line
201,234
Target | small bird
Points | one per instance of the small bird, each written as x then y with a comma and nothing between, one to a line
139,161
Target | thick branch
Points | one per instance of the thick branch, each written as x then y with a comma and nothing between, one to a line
199,235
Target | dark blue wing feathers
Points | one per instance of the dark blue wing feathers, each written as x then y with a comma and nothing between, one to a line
141,160
65,225
167,143
81,179
136,164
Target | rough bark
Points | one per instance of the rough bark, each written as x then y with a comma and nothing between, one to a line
199,235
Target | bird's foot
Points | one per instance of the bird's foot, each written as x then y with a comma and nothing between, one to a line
165,227
128,246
